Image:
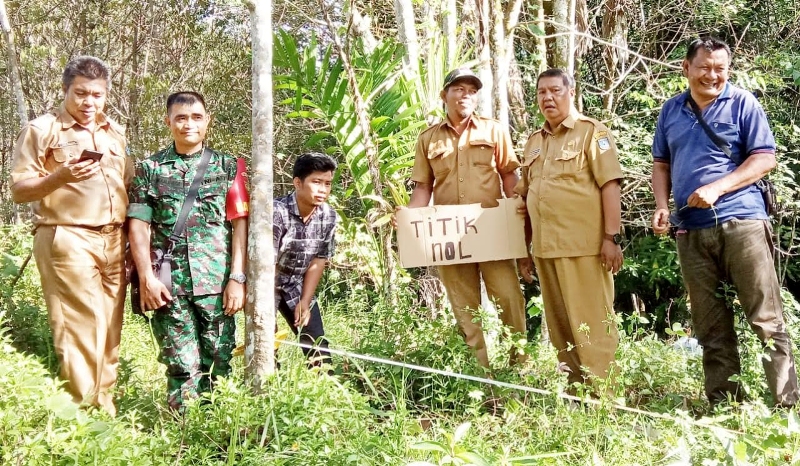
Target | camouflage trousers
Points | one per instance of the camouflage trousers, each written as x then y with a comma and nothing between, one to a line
197,341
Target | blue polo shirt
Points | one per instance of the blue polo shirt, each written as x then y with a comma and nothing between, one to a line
695,161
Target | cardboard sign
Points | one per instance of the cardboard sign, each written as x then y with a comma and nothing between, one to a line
460,234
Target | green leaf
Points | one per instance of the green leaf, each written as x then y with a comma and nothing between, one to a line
473,458
461,431
429,446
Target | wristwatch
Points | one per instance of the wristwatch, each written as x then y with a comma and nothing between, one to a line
616,238
238,277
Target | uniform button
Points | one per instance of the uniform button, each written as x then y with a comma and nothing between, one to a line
462,195
461,179
461,148
461,164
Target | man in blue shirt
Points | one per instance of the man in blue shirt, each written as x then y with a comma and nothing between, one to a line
723,233
303,231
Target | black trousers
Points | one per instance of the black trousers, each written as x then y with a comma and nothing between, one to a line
313,334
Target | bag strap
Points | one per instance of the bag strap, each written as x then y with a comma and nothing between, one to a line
718,141
180,223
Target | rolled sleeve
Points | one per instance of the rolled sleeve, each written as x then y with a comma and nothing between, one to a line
141,212
505,157
29,155
422,171
139,195
660,147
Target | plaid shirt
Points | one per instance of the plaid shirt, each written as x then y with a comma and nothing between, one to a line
297,243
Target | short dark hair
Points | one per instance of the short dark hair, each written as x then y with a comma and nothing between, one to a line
185,98
88,67
711,44
311,162
569,81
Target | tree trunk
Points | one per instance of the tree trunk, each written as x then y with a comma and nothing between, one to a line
614,31
370,150
407,33
16,82
482,30
504,20
559,50
449,30
260,307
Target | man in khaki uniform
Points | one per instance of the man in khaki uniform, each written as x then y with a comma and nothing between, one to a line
468,159
79,207
570,180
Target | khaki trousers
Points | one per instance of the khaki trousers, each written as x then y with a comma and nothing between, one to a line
737,252
83,281
578,296
462,282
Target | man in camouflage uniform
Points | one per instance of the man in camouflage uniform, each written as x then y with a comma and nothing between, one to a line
194,321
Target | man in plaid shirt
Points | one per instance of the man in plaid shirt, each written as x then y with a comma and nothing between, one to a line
303,229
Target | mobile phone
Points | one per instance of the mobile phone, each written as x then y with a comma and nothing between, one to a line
90,155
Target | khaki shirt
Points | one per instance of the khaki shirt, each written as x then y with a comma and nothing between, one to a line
563,171
465,169
49,141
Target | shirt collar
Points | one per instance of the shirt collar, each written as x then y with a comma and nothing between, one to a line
725,94
68,121
472,123
569,122
172,155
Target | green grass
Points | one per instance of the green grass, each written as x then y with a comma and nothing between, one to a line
372,414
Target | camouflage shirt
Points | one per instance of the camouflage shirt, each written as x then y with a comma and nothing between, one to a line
202,256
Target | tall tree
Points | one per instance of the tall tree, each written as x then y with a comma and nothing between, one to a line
260,308
16,82
407,33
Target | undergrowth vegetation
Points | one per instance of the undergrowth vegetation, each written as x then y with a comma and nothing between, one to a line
377,414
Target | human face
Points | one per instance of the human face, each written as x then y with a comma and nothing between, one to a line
554,99
461,98
188,124
707,73
85,98
314,189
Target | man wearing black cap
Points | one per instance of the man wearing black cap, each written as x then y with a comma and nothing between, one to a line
468,159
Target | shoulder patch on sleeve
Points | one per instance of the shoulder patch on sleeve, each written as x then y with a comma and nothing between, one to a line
603,143
600,135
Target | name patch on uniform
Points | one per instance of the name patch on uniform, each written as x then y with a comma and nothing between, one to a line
603,144
536,152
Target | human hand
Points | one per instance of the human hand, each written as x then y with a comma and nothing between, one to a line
154,294
661,221
394,216
233,297
703,197
526,268
611,256
302,314
74,171
522,206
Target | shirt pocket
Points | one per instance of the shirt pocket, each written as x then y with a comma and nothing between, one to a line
482,152
569,163
438,154
61,153
170,196
212,198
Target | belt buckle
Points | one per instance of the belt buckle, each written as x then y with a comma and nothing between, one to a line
108,229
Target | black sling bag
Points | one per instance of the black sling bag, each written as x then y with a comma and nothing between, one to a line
161,258
764,185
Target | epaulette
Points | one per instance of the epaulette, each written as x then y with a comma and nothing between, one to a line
116,127
43,121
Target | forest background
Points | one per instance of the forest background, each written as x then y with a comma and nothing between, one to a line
359,80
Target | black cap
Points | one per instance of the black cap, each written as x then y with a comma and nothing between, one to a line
461,74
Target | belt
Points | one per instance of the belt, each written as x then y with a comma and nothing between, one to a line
102,228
